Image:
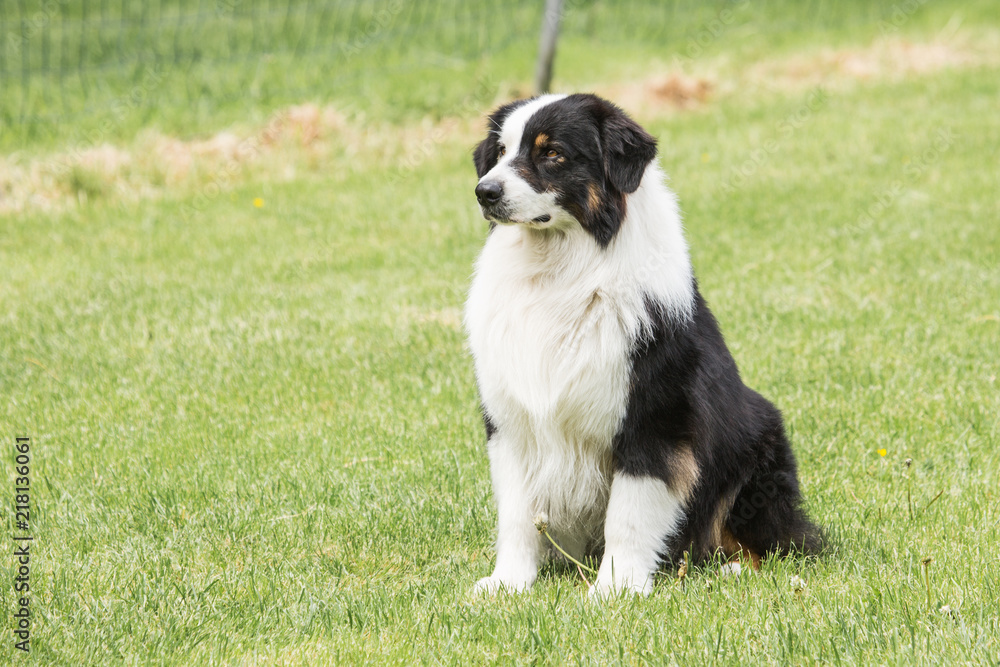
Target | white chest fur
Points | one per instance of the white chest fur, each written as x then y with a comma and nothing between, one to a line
551,345
552,322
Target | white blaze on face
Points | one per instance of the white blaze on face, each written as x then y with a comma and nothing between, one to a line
520,199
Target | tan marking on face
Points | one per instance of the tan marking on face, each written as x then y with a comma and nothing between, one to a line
541,139
593,197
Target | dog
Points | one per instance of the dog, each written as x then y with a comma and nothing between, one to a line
612,406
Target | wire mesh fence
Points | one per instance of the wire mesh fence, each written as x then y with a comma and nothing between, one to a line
70,60
60,58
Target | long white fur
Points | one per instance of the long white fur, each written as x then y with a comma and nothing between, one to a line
552,320
519,545
643,511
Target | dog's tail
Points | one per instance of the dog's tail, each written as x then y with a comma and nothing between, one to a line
768,515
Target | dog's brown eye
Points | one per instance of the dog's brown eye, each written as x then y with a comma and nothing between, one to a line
552,154
503,151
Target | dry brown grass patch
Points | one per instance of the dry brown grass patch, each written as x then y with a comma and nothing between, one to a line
885,59
305,137
890,59
661,93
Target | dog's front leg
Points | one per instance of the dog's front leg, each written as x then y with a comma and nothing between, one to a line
643,512
519,545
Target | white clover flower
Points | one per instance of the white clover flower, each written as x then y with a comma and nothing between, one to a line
542,522
798,583
733,569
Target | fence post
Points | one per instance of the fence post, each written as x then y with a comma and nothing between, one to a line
547,45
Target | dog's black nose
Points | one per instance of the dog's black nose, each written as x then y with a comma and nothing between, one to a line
489,192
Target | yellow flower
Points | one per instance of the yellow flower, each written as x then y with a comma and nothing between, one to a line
258,202
882,452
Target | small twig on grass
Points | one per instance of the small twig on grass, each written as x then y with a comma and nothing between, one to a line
542,524
582,575
927,580
36,362
853,495
940,493
909,485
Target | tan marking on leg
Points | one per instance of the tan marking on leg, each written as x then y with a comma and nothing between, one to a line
684,472
732,548
718,524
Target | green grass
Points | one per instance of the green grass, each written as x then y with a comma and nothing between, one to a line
256,437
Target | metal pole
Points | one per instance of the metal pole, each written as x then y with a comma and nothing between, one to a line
547,45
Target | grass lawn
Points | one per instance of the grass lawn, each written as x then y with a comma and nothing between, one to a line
254,426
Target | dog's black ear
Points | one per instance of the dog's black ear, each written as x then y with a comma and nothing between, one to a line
628,149
486,154
488,151
603,216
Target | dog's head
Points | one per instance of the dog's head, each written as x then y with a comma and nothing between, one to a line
555,161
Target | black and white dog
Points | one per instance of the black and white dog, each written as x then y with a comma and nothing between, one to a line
611,402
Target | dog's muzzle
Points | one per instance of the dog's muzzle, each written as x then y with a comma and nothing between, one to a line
490,196
489,193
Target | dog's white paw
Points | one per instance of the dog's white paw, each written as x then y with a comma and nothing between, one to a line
733,569
494,585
